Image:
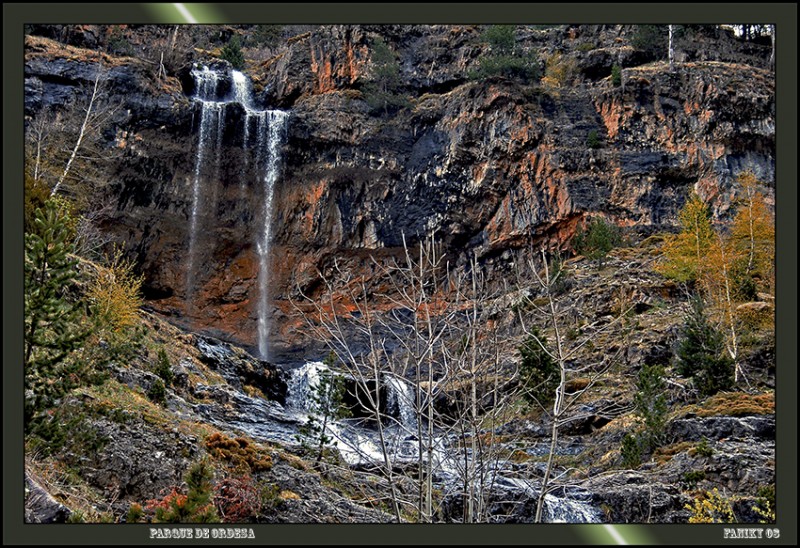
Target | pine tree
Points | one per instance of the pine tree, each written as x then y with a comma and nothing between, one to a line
631,451
701,353
616,75
504,58
232,52
500,38
650,402
382,92
198,480
539,372
652,40
597,240
194,507
54,319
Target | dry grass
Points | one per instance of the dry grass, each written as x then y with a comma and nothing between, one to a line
626,423
576,385
294,461
289,495
112,395
733,404
663,455
239,452
68,488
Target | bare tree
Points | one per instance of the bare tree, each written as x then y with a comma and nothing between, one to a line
485,389
436,333
37,136
421,320
671,49
70,139
772,51
553,312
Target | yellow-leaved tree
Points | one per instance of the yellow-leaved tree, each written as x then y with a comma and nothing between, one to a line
115,295
729,265
753,234
717,285
685,252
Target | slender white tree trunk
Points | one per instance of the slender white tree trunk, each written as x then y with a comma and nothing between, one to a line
733,346
671,49
82,132
772,53
558,404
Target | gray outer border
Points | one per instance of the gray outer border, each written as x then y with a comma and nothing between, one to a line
784,15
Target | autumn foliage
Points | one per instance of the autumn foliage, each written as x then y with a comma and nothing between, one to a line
684,253
237,500
194,506
238,452
114,294
729,265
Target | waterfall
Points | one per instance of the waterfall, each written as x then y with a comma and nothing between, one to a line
263,151
211,118
572,505
276,131
569,510
301,384
400,401
242,94
241,90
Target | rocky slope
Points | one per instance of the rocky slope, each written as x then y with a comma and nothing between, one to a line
129,448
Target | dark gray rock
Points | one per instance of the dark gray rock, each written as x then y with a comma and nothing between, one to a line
759,427
316,503
138,461
635,497
40,506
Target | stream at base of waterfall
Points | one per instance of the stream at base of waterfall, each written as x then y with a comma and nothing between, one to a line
358,442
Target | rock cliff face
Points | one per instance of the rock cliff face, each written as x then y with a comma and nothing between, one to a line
486,165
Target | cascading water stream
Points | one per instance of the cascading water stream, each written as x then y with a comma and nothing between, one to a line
211,114
276,129
302,383
359,444
400,401
262,137
265,149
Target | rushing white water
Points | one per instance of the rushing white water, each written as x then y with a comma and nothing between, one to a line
302,382
241,90
569,510
574,507
265,149
206,83
359,444
401,402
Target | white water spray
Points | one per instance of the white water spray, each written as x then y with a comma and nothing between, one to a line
401,400
211,118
